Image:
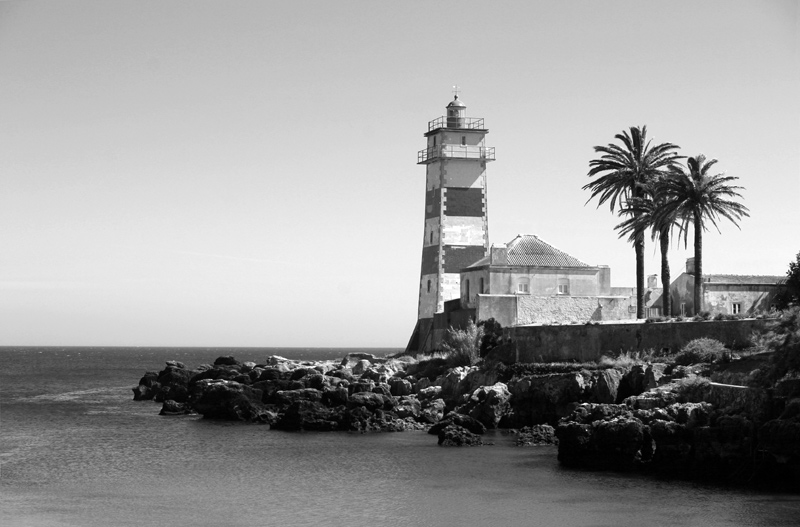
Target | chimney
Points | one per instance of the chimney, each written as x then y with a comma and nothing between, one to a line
499,256
652,281
690,265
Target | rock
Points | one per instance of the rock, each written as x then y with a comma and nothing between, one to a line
536,435
452,379
537,399
361,366
361,386
408,407
227,361
334,396
488,404
454,435
310,415
230,401
171,407
371,401
653,375
176,364
399,387
289,397
146,393
464,421
432,411
607,386
382,389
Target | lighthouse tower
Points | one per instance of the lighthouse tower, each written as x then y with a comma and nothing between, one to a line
456,227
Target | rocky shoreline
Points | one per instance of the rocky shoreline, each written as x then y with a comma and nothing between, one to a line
656,418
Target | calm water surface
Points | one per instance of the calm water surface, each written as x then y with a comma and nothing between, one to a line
76,450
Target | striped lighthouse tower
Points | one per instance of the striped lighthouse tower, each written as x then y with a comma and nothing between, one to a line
456,227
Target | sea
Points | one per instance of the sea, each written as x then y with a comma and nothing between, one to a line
76,450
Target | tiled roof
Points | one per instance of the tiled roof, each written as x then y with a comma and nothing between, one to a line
743,279
528,249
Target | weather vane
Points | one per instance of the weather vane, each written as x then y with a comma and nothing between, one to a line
456,90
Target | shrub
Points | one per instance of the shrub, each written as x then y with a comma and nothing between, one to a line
492,335
701,350
701,316
692,389
463,345
783,338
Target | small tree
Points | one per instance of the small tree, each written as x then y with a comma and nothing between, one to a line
790,295
462,345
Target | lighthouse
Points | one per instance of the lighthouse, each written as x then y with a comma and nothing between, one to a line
456,224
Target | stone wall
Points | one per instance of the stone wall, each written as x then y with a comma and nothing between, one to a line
589,342
567,309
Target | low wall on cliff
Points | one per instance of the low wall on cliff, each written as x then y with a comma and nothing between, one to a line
590,342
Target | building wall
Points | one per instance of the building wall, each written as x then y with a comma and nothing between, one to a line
590,342
719,298
544,281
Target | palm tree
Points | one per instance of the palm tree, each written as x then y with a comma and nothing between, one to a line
624,173
643,217
694,196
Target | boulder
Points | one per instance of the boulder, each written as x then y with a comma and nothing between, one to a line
488,404
454,435
607,386
230,401
432,411
171,407
227,360
361,366
310,415
461,420
399,387
536,435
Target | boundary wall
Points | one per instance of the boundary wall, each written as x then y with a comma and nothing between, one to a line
589,342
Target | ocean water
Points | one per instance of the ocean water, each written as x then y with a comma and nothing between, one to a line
76,450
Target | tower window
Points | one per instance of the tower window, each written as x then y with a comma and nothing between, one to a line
431,237
429,286
467,286
463,140
481,290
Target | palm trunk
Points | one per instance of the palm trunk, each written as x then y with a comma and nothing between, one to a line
666,298
638,245
698,264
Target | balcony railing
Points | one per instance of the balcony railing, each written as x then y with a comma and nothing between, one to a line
455,152
474,123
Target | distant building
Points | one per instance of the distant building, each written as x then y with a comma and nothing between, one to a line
725,293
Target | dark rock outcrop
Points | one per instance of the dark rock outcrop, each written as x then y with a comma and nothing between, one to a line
454,435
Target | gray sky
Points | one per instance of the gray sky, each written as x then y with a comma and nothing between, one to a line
244,173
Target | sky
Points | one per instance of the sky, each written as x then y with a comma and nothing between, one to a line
224,173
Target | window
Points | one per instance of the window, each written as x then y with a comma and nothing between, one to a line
431,237
523,286
429,286
434,140
463,140
481,289
563,286
467,287
736,308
